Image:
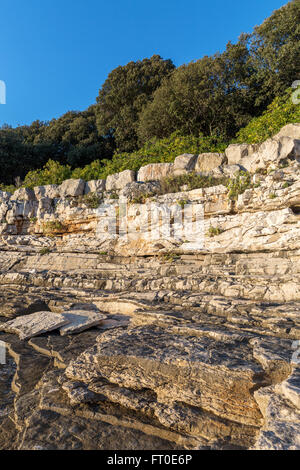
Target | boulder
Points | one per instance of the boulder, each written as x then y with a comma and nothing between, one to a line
80,320
209,161
4,196
135,191
235,153
50,191
119,180
95,186
72,188
155,171
232,170
28,326
290,130
23,194
184,163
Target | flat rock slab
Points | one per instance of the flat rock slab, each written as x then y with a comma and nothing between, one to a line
28,326
80,320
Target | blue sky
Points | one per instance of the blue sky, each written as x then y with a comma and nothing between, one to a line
55,55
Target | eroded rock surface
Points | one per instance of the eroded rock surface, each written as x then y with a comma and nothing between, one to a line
183,347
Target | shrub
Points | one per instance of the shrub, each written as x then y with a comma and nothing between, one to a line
45,251
91,200
239,184
8,188
280,112
173,184
52,227
52,173
214,231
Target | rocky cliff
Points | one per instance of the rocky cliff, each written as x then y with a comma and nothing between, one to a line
137,318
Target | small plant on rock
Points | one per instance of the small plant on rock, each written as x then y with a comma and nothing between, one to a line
51,227
45,251
91,200
182,203
239,184
214,231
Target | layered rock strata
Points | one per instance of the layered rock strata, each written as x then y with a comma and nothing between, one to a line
191,337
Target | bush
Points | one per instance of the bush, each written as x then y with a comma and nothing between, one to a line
281,111
52,227
239,184
8,188
173,184
52,173
214,231
91,200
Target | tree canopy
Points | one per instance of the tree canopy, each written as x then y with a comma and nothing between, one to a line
213,98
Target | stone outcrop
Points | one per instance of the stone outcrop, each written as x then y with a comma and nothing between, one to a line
154,321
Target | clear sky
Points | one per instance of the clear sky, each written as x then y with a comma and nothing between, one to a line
55,55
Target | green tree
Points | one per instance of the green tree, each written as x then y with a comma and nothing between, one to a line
275,53
124,94
209,96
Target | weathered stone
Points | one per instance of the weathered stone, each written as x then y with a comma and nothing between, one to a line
290,130
50,191
95,186
72,188
80,320
232,170
23,194
139,192
155,171
5,196
209,161
119,180
35,324
200,345
235,153
184,163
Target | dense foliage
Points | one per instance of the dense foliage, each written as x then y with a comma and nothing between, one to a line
279,113
149,111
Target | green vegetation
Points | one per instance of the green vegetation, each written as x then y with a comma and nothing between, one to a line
239,184
44,251
91,200
53,227
214,231
150,111
182,203
272,196
169,257
280,112
173,184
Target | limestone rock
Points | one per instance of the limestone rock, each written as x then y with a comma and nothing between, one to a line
80,320
138,191
235,153
50,191
35,324
95,186
209,161
23,194
232,170
155,171
184,163
119,180
72,188
290,130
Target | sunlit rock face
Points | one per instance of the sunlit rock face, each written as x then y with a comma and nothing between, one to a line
134,318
